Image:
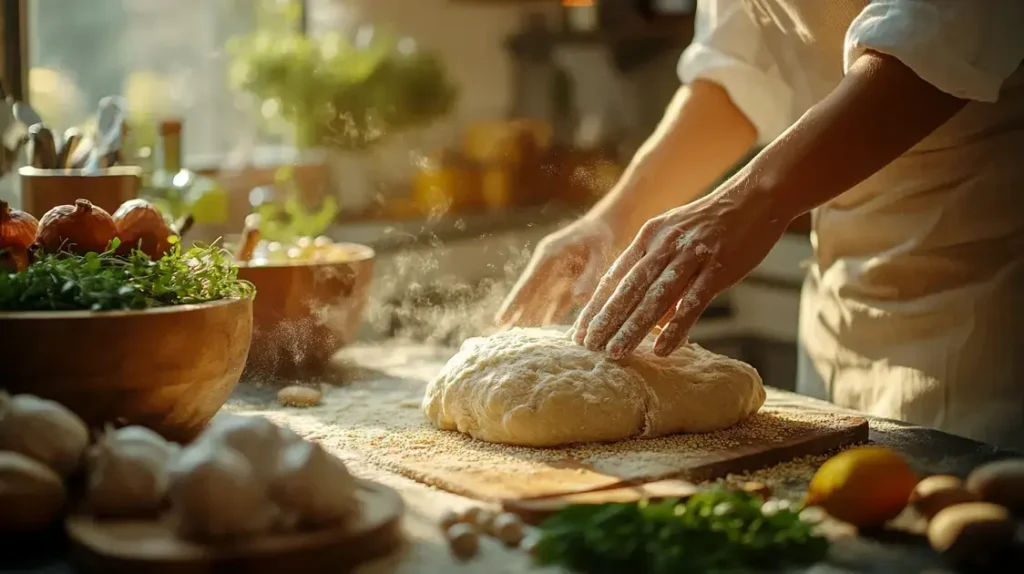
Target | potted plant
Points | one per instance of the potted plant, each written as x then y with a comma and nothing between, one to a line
345,94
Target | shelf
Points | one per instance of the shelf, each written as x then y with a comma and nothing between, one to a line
673,31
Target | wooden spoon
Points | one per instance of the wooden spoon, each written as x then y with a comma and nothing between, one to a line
72,139
44,148
250,238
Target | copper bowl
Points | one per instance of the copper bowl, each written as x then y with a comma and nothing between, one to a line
306,311
168,368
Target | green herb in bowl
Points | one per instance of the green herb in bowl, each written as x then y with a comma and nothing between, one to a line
716,531
105,281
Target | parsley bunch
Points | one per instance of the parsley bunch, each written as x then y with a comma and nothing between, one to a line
713,532
105,281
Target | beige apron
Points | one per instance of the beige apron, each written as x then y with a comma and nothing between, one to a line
912,307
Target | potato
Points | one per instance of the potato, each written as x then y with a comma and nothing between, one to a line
1000,482
935,493
972,532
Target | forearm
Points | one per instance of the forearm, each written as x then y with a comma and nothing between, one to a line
701,136
879,111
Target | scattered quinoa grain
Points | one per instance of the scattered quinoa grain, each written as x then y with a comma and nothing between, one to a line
361,419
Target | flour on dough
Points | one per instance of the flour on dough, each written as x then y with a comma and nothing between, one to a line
536,387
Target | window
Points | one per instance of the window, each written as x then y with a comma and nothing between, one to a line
165,57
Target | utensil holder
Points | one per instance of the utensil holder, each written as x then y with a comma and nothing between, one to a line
44,189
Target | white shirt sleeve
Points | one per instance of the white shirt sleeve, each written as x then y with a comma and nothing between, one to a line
966,48
727,49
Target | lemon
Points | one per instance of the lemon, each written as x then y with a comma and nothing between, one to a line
866,486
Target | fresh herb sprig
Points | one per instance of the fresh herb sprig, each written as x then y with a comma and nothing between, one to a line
105,281
716,531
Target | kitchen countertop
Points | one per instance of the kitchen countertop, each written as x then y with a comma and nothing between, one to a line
391,236
364,370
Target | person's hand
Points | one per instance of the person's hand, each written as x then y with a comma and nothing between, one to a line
562,273
675,266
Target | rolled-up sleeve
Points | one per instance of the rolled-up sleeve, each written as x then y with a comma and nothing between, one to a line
966,48
727,49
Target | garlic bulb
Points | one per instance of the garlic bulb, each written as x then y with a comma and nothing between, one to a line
134,436
314,486
257,439
32,496
215,494
43,430
127,479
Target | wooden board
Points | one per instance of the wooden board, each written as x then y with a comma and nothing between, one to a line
133,546
535,510
496,473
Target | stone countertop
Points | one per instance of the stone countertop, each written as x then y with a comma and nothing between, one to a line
371,370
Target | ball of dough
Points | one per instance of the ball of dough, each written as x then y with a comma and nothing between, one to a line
536,387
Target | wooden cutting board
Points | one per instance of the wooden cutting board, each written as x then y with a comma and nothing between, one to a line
535,510
131,546
497,473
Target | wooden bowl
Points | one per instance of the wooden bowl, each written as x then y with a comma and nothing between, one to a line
130,546
305,312
168,368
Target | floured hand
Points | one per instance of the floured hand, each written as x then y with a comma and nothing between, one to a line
675,266
562,273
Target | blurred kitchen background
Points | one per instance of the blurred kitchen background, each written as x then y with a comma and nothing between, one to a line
450,135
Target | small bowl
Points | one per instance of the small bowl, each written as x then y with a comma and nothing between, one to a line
168,368
306,311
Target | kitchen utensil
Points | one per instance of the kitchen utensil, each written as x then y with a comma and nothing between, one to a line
306,311
130,546
250,238
72,139
110,117
167,368
534,511
42,189
489,472
82,153
112,158
11,130
183,225
44,148
26,115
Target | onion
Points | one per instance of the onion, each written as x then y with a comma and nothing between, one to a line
79,228
17,232
17,228
141,226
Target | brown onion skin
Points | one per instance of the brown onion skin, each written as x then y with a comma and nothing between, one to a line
17,228
80,228
140,225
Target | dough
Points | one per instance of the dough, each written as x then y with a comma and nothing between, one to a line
536,387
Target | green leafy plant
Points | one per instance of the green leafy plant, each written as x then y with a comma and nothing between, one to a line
338,91
104,281
289,218
716,531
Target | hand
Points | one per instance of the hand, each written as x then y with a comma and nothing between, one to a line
675,266
562,273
